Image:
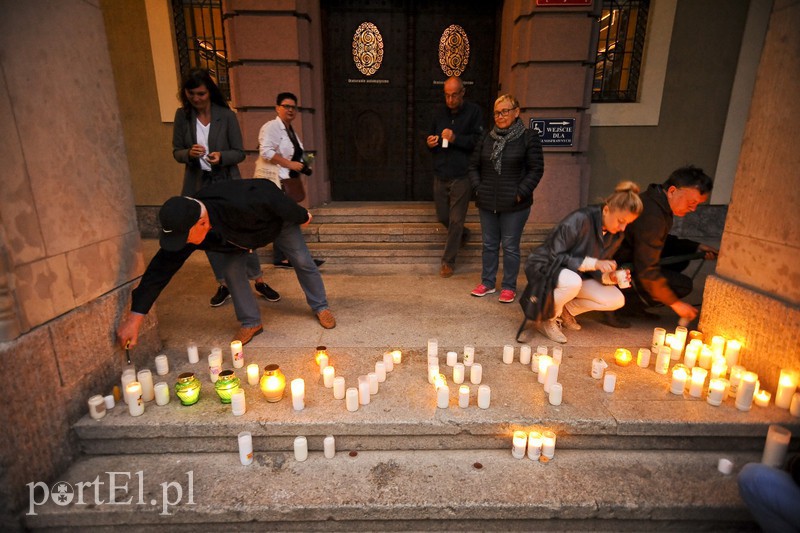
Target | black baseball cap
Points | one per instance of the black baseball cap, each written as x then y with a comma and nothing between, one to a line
177,216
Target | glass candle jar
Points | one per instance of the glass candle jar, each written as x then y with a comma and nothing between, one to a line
319,352
273,382
187,388
226,385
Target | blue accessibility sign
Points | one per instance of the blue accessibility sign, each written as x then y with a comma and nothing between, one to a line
554,132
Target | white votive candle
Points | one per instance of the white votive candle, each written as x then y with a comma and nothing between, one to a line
551,377
145,377
443,397
363,390
718,345
433,347
609,381
128,377
300,449
322,360
161,391
541,349
328,375
134,394
518,444
237,354
679,378
245,439
706,356
643,357
433,360
690,356
109,401
338,388
329,447
716,391
534,445
476,374
659,334
762,398
535,362
663,359
598,367
484,396
736,376
525,354
253,374
388,362
549,443
238,403
397,357
433,371
298,387
469,355
97,407
193,353
681,333
718,367
794,408
508,354
669,339
458,373
698,381
777,444
162,365
452,358
556,393
214,365
373,383
732,348
786,387
351,398
557,354
746,391
463,396
380,371
544,362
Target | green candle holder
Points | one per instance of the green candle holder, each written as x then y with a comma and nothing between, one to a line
187,388
226,385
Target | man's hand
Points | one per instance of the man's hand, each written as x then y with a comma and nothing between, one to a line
128,331
448,134
432,141
711,252
684,310
605,265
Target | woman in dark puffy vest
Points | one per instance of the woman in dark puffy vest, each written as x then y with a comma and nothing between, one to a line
504,169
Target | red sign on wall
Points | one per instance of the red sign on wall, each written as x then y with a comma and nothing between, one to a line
563,3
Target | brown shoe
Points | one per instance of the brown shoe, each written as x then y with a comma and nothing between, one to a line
246,334
446,270
326,319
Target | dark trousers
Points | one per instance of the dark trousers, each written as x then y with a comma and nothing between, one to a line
681,285
451,197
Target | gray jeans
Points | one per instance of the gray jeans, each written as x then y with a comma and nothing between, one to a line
451,197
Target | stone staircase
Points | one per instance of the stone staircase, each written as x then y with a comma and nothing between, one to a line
392,232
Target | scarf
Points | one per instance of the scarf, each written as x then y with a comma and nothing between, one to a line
501,137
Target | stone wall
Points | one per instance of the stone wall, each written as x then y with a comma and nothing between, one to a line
69,243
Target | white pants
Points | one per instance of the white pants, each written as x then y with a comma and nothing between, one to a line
582,295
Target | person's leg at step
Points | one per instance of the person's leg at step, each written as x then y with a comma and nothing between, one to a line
244,301
278,257
594,296
490,254
216,260
772,496
567,287
254,274
512,225
458,193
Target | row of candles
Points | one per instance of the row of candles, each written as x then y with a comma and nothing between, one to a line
300,447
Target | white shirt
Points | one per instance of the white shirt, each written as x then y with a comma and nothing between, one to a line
273,138
202,139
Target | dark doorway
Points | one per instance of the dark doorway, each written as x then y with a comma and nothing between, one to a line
384,80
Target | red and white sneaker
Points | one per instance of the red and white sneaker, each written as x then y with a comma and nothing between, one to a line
507,296
482,290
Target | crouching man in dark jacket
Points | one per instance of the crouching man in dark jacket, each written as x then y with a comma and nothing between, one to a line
233,218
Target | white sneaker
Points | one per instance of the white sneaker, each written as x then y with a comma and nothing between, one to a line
568,320
550,329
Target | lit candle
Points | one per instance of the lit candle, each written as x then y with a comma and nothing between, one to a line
469,355
380,371
128,376
732,348
443,397
476,374
485,396
363,390
643,357
556,392
676,348
541,349
237,355
557,354
328,375
452,358
145,378
534,445
694,334
373,383
622,357
550,377
329,447
680,334
388,362
300,449
133,391
433,371
679,377
535,362
609,381
323,362
458,373
319,351
786,387
338,388
762,398
525,354
599,366
508,354
716,391
273,383
252,374
187,388
351,399
97,407
298,387
746,391
214,364
397,357
663,359
433,347
690,357
718,345
698,381
669,339
794,408
162,365
718,367
463,396
659,334
736,376
777,444
549,444
245,447
518,444
544,362
238,403
193,353
161,390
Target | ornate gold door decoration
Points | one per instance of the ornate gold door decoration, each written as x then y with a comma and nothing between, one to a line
367,48
453,50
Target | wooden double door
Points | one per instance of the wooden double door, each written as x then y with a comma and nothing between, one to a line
385,63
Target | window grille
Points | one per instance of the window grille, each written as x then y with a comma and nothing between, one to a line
201,39
619,50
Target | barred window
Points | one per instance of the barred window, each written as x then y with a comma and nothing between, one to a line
619,50
201,39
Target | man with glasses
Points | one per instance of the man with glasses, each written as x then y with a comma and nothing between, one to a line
454,132
648,246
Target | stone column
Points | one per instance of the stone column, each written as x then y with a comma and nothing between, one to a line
756,293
